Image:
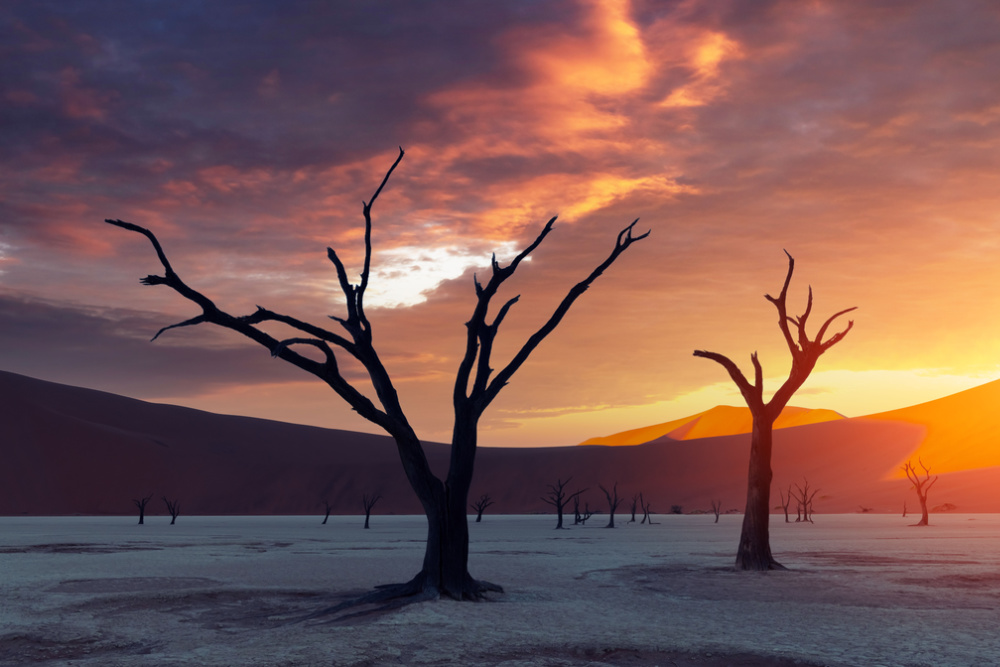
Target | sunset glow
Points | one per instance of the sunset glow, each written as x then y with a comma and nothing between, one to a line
862,138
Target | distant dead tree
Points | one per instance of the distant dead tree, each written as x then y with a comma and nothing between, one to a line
754,551
580,516
173,508
329,508
559,498
921,486
369,502
633,506
786,500
481,505
804,499
677,509
647,511
444,501
613,502
717,509
140,504
864,510
904,509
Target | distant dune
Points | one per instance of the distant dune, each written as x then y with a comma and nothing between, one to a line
962,431
720,420
67,450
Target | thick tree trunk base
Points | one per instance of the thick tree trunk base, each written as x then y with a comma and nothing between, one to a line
388,597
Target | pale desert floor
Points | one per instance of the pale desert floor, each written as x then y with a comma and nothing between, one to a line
863,590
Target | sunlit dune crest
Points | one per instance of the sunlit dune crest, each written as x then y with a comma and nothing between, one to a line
718,421
963,429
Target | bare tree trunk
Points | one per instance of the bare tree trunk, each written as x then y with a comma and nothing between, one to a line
754,551
717,509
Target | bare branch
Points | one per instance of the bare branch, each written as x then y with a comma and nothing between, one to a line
781,304
367,210
622,243
750,393
186,323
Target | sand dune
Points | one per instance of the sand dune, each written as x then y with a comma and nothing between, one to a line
69,450
717,421
962,431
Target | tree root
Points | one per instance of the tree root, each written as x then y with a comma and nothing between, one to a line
389,597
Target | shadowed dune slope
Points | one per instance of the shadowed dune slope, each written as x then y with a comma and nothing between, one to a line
69,450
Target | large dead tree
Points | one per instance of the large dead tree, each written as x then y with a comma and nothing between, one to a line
921,486
444,501
558,497
754,551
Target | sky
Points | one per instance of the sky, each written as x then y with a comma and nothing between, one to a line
862,137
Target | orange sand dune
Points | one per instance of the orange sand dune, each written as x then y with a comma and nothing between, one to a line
718,421
962,431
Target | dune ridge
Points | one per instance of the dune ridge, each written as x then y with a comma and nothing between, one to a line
68,450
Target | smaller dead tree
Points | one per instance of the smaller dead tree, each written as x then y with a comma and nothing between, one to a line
904,509
369,503
717,509
804,499
786,500
613,502
174,508
921,486
559,498
329,508
633,506
647,511
580,516
481,505
140,504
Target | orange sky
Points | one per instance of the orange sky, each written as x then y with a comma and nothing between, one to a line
860,137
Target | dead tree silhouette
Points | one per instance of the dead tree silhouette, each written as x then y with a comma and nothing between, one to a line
754,551
173,508
804,500
481,505
647,511
717,509
921,486
558,498
369,502
633,506
613,502
444,501
140,504
329,508
580,517
786,500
